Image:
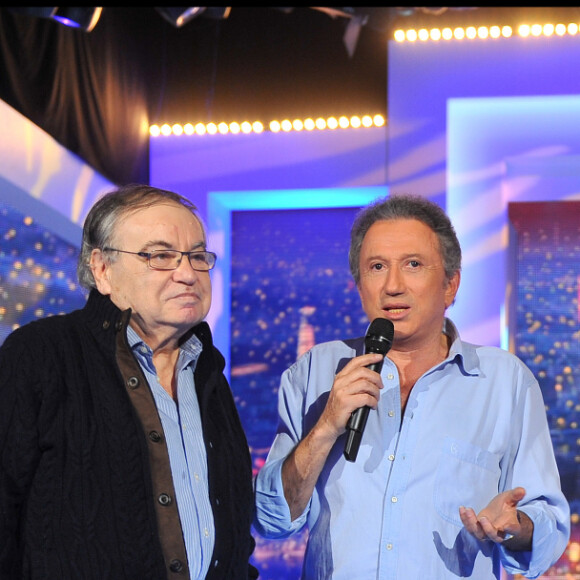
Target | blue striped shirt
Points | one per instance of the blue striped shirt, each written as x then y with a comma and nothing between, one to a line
182,425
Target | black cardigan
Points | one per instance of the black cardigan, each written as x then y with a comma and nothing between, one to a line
85,484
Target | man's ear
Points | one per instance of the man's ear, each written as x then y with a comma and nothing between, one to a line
451,290
100,269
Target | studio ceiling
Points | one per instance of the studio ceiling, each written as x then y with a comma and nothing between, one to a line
253,64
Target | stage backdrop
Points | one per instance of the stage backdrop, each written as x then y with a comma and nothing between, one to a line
45,193
544,322
467,117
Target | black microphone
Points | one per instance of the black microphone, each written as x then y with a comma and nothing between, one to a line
379,338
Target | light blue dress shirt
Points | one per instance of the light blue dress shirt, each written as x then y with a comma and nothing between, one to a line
474,426
182,426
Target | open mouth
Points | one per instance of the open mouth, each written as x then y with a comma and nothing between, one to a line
397,310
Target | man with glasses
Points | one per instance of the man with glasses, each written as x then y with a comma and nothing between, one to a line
122,455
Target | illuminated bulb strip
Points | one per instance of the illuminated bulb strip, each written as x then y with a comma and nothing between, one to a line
482,32
320,124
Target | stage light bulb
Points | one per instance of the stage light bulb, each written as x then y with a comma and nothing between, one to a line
435,34
423,34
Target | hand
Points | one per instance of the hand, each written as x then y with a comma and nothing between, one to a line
354,386
500,521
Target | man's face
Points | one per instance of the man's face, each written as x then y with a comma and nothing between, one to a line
164,303
403,279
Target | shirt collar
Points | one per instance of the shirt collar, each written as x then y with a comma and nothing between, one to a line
189,351
464,353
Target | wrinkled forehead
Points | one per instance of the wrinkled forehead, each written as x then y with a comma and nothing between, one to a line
167,214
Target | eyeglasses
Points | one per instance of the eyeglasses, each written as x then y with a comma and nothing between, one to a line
170,259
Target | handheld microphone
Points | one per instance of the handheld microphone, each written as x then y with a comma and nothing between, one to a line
379,339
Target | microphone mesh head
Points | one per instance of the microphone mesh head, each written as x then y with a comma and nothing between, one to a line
379,337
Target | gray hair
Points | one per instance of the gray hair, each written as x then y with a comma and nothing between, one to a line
101,222
406,207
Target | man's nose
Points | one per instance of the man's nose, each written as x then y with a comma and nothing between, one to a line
394,281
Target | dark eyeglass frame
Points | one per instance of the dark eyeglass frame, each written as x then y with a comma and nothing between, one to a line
209,258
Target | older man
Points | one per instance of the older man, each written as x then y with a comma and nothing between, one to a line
456,475
122,455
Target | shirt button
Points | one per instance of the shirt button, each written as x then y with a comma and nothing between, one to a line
390,376
391,458
206,532
154,436
164,499
389,546
176,566
394,499
391,413
196,476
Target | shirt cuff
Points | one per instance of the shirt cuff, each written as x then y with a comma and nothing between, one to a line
273,518
545,538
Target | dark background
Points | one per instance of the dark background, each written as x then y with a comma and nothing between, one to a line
97,92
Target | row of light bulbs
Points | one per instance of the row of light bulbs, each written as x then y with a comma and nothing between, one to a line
354,122
482,32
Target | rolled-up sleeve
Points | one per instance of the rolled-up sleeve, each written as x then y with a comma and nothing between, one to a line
535,468
272,519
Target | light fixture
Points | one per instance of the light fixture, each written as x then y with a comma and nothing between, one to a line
180,16
84,18
353,28
245,127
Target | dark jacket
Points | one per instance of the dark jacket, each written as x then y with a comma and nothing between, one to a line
85,483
